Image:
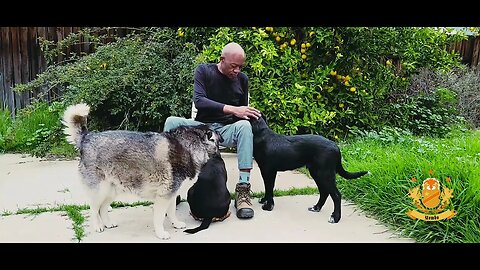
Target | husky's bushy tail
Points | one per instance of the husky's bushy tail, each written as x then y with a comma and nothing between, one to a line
75,121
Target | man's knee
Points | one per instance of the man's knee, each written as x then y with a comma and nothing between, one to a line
244,127
172,122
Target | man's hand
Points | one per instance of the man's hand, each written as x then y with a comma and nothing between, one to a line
244,112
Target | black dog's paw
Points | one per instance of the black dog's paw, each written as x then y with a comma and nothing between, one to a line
334,218
314,208
268,206
262,200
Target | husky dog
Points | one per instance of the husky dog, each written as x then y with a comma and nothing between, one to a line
151,165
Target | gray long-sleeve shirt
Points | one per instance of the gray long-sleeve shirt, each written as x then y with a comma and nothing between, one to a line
212,91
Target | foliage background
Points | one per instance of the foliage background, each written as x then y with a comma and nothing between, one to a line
333,81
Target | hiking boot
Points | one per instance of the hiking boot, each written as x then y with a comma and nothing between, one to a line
243,204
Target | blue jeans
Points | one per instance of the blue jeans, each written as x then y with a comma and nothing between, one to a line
238,134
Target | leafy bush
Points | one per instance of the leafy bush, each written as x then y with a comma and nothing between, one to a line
135,82
426,114
466,84
36,129
435,100
331,80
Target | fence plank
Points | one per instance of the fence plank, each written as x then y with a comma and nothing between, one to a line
24,64
8,74
3,52
476,52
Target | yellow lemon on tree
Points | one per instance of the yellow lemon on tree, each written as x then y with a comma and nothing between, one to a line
277,39
303,45
293,41
308,45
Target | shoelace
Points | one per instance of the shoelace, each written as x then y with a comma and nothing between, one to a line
243,196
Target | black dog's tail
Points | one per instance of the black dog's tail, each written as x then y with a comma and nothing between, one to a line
205,224
75,121
348,175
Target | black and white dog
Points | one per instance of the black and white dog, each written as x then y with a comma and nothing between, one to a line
151,165
209,198
274,152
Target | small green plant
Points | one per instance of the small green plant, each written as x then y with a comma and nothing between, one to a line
5,128
75,214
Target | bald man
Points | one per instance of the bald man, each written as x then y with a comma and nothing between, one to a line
220,94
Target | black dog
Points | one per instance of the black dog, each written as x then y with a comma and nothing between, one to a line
209,198
322,157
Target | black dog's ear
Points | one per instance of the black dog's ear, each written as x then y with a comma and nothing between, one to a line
264,118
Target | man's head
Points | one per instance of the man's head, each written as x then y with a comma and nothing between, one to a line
231,60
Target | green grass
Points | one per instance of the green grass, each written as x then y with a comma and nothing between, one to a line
393,163
5,126
75,214
36,130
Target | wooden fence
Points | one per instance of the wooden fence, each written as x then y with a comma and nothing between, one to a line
469,50
21,59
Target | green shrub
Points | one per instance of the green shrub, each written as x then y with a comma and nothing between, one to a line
5,128
331,80
466,84
36,129
133,83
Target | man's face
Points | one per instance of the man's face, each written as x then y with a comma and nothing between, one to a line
232,66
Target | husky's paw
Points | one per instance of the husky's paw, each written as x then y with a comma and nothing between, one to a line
99,229
179,225
163,235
